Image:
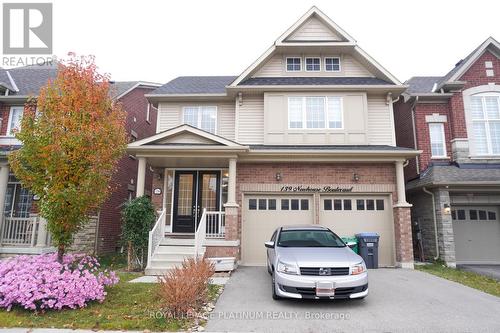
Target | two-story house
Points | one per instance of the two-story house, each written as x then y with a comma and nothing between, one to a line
454,185
22,231
304,135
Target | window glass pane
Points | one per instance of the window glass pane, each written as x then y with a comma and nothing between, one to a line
491,103
271,204
208,118
347,204
370,204
304,204
480,143
295,112
262,204
293,64
436,132
191,116
295,204
473,214
285,204
360,204
476,106
252,204
327,204
332,64
495,136
482,215
334,112
315,112
313,64
380,204
453,215
337,204
492,215
461,214
15,120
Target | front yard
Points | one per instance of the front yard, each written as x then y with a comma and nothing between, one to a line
128,306
470,279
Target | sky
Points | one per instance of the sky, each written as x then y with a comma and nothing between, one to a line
159,40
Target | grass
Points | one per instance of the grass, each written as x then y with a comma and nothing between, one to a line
470,279
128,306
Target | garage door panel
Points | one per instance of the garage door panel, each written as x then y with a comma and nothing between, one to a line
476,231
349,215
262,214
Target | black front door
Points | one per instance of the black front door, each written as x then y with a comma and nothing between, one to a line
193,192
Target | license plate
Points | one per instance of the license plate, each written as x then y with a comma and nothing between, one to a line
325,288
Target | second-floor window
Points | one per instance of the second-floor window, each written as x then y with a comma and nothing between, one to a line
293,64
15,116
313,64
485,116
332,64
202,117
438,142
315,112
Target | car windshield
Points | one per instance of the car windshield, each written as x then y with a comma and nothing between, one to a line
309,238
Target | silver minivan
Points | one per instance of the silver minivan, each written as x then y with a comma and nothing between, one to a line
313,262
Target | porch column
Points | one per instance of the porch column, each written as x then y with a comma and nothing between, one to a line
41,240
231,186
141,177
400,183
4,179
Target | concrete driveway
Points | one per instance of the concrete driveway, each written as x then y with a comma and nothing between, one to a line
399,301
492,271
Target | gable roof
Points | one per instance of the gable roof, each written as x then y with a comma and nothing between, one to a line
118,89
463,65
422,84
195,85
305,80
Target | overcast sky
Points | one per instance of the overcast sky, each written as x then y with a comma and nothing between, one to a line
160,40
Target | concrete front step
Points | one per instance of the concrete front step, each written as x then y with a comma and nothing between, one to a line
177,241
175,249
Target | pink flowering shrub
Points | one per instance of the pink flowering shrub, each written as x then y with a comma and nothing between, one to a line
40,282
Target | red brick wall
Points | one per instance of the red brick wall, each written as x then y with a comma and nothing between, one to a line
4,114
404,133
135,104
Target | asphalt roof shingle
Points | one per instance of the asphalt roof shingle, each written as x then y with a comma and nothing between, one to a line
293,81
30,79
195,85
421,84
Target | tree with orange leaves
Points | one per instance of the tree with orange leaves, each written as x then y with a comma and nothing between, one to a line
73,135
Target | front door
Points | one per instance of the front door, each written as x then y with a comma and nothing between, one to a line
193,192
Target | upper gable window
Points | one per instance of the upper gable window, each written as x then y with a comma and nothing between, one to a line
315,112
332,64
202,117
313,64
293,64
485,116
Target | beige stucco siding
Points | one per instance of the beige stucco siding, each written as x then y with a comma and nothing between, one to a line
380,121
250,116
170,115
349,66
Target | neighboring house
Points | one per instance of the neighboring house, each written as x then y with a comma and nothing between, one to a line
21,230
455,120
304,135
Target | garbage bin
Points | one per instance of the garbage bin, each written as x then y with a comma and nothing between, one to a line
368,248
352,242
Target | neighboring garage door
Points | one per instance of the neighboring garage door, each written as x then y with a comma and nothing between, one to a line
349,215
477,234
262,214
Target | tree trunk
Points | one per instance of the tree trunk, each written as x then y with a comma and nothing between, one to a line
129,256
60,253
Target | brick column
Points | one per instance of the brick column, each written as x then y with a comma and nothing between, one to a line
403,237
231,229
446,238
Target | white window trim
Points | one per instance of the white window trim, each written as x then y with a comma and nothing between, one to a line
148,113
340,64
199,117
304,114
9,129
443,137
305,64
486,121
286,64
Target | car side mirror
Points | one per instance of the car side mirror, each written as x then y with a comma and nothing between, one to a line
269,245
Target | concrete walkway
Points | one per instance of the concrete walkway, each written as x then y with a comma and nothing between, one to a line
492,271
400,300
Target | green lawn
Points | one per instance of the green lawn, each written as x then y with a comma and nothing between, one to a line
128,306
470,279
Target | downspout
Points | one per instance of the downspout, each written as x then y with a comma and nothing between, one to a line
435,221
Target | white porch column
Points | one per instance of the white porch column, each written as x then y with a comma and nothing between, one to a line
4,179
231,186
400,183
141,177
41,239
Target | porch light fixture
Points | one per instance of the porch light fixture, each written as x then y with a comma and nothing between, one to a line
278,176
446,209
355,177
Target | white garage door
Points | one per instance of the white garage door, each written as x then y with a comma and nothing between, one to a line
477,234
262,214
348,215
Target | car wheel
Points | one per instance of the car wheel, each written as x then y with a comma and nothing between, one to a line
275,296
